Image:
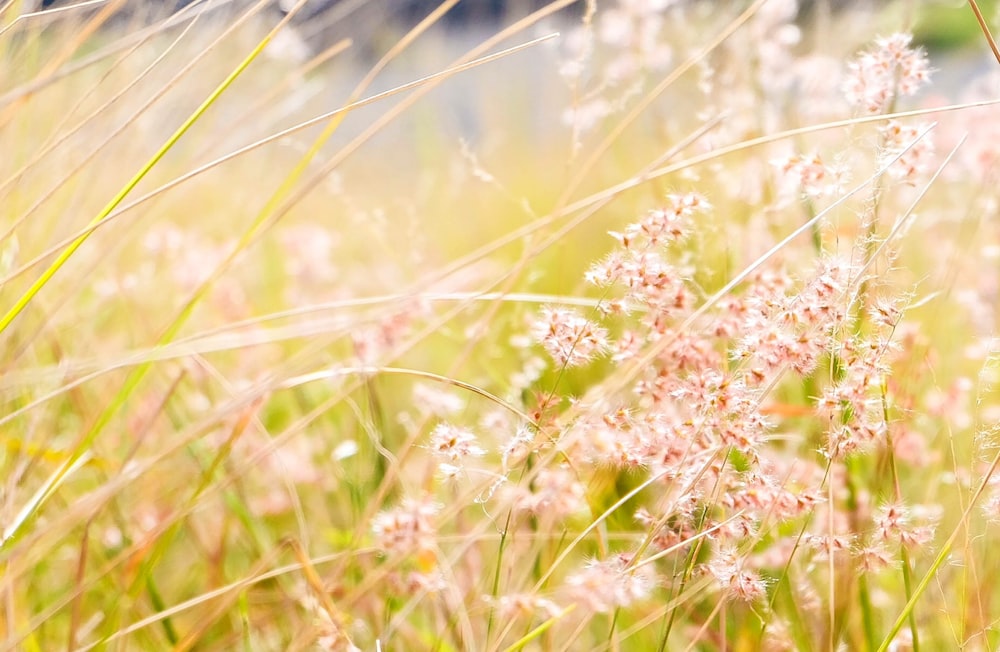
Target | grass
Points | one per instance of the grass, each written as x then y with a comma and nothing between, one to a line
325,343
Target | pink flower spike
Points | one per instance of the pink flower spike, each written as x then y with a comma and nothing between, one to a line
570,339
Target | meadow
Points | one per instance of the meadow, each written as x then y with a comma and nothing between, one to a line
619,325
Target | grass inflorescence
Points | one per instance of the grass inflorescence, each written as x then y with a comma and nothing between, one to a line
637,325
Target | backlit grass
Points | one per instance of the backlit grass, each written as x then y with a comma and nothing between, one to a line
615,326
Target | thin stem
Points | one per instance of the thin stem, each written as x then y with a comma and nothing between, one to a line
986,30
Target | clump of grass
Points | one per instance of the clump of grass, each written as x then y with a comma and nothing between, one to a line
670,330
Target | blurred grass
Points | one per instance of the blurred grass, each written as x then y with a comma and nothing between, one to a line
166,511
947,25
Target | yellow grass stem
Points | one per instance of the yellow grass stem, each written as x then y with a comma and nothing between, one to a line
986,29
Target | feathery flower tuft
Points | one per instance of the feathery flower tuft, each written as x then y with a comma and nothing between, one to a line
889,69
603,586
407,530
569,338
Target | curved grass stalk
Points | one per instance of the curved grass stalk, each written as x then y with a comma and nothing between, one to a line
247,397
48,13
228,338
367,371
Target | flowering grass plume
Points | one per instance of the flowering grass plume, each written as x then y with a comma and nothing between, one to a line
673,331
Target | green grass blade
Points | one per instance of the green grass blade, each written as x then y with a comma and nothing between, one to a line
538,631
